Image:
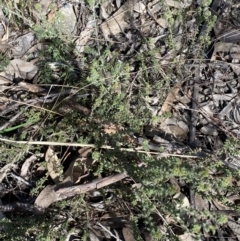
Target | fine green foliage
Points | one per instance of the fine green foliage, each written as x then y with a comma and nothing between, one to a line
4,61
121,97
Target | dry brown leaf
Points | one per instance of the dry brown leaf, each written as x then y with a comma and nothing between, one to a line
178,4
73,173
112,128
162,22
139,7
4,170
46,197
22,44
94,237
235,227
6,35
51,16
79,167
53,165
222,47
174,130
3,27
200,203
106,8
186,237
85,151
220,205
21,69
27,164
44,6
85,35
128,234
31,87
169,102
229,36
4,80
177,129
154,6
116,23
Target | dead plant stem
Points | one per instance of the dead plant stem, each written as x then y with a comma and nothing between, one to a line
50,143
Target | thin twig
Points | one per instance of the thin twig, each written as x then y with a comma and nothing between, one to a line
194,114
50,143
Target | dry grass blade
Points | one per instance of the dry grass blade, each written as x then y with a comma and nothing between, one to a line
49,143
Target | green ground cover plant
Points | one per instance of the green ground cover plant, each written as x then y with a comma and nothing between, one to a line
118,98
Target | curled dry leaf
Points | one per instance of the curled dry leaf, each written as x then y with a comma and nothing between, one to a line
53,165
79,167
219,205
3,33
183,126
27,164
4,170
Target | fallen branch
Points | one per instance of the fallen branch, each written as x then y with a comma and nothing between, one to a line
51,194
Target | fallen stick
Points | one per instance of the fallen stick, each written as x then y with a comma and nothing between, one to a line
51,194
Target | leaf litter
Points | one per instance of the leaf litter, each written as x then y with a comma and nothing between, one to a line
202,101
